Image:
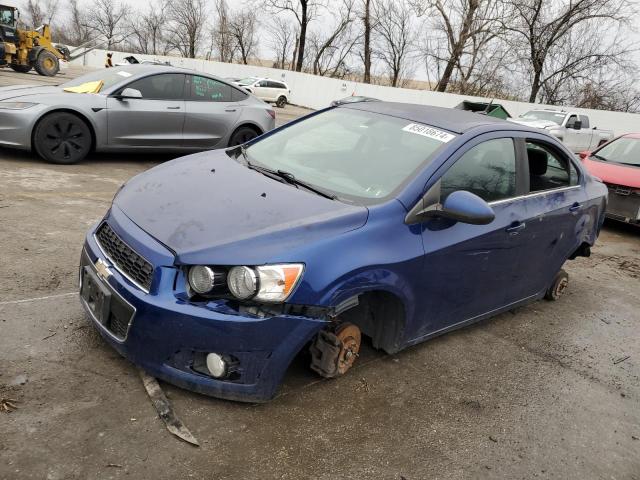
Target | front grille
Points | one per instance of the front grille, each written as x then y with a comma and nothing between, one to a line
623,202
124,257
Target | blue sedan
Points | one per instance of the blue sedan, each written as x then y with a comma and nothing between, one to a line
392,221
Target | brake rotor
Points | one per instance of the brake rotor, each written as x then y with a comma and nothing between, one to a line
349,336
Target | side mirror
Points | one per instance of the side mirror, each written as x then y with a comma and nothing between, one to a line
461,206
584,154
130,93
577,125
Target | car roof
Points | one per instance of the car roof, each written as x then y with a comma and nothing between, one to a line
451,119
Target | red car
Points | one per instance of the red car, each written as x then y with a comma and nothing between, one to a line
617,164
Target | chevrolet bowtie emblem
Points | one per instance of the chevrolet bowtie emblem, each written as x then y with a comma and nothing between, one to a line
103,269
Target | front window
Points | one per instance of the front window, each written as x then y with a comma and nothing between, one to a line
360,156
7,16
555,117
166,86
488,170
625,150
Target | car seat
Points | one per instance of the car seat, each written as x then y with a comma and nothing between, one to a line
538,162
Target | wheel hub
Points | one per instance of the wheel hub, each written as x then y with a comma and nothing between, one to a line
333,353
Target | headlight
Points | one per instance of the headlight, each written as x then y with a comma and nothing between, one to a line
242,282
16,105
204,280
266,283
276,282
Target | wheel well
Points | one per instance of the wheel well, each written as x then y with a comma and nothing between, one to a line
253,127
72,112
381,316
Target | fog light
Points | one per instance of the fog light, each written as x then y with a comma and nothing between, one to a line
216,365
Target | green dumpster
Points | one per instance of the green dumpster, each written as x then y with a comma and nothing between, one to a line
492,109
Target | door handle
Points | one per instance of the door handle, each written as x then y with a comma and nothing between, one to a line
173,108
575,207
515,228
229,110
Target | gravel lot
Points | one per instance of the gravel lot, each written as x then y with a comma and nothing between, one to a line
551,390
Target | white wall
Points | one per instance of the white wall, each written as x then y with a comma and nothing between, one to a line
317,92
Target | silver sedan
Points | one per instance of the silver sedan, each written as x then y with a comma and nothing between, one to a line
130,108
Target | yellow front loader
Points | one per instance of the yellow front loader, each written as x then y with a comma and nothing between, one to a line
23,50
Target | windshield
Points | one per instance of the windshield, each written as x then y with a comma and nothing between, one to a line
247,81
6,16
624,150
555,117
359,156
109,77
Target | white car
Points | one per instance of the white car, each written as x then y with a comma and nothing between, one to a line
266,89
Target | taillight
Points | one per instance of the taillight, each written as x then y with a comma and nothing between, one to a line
272,113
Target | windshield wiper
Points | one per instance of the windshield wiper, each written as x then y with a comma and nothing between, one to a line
599,157
282,175
290,178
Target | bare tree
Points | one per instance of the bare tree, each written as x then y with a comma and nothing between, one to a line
396,37
540,27
459,23
75,31
367,25
331,49
147,30
282,40
243,29
304,12
107,19
187,19
40,12
222,41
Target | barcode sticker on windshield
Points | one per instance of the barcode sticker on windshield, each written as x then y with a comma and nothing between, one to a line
429,132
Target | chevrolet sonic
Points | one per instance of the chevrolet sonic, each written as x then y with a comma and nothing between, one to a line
393,221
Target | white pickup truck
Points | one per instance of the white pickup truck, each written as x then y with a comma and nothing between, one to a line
573,129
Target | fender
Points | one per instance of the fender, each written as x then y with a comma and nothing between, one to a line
33,53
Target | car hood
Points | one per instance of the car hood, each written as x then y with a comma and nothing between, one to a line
615,173
15,91
535,123
208,208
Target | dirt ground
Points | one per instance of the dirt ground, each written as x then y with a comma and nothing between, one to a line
548,391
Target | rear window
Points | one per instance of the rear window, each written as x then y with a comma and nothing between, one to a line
210,90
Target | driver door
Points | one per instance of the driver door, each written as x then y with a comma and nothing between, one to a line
468,269
155,120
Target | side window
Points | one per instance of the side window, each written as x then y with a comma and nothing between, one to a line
585,121
549,169
166,86
488,170
262,83
571,122
237,95
209,90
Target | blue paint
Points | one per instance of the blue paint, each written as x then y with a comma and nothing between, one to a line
446,274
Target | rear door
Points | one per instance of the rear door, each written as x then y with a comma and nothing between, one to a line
551,213
155,120
212,110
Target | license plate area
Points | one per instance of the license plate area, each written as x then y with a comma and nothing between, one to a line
108,309
96,296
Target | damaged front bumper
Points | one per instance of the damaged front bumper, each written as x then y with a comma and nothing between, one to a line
168,336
